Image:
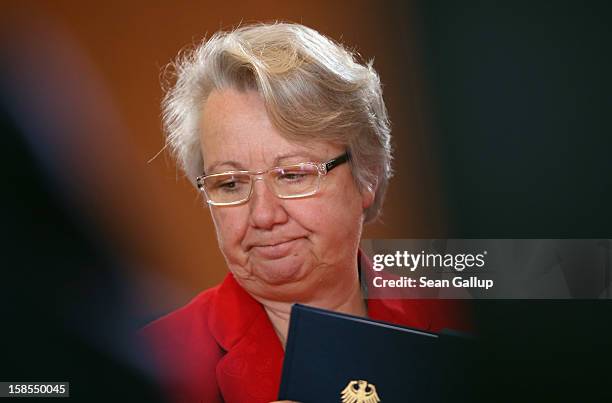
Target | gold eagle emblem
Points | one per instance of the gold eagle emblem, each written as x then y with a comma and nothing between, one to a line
359,392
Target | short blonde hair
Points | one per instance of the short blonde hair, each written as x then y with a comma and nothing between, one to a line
314,90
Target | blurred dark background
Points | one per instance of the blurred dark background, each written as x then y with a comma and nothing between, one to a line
501,122
520,97
522,101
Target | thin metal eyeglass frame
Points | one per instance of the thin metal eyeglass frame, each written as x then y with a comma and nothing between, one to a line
323,169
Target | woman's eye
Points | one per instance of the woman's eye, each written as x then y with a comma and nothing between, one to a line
229,186
292,176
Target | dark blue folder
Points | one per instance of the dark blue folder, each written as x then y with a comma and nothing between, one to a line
332,357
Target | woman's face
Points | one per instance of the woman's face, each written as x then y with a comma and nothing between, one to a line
287,249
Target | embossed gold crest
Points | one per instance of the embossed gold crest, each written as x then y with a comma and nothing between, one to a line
359,392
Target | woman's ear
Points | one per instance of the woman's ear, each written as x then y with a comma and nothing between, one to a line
369,194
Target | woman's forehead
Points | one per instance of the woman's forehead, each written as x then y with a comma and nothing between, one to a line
236,130
238,122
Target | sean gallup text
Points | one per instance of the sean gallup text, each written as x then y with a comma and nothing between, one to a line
425,282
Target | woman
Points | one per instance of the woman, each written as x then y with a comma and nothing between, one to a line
286,135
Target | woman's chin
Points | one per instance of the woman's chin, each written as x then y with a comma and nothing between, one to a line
279,271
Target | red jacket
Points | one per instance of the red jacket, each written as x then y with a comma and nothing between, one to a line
221,347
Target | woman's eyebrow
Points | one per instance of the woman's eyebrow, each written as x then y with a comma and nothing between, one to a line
304,156
234,165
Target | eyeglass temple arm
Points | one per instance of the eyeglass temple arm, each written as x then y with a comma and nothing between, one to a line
329,165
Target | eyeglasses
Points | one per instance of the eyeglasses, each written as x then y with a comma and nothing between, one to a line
287,182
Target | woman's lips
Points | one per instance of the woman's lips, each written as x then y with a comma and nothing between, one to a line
275,251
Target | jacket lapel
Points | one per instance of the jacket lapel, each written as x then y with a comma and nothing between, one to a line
250,370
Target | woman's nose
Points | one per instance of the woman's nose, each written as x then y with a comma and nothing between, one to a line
266,210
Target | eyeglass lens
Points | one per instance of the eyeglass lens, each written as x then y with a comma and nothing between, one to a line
292,181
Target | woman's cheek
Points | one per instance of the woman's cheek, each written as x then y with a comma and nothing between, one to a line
230,226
